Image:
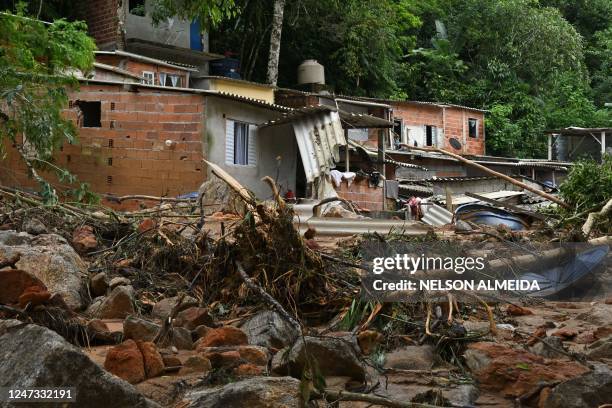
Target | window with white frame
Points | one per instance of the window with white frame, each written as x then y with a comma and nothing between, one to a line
148,77
240,143
172,80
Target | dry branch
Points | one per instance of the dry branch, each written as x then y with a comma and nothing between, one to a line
269,299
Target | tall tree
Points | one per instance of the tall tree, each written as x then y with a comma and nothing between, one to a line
275,41
36,65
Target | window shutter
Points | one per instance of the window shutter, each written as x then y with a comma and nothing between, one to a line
252,159
229,142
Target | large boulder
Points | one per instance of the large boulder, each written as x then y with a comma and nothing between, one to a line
257,392
51,259
33,356
592,389
269,329
333,356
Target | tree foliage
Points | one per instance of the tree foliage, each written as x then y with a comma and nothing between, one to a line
36,61
209,12
534,64
588,184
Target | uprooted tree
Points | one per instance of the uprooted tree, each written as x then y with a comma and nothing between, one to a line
37,62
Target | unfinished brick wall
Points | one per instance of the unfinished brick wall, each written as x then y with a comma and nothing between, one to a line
128,153
362,194
137,67
453,120
102,20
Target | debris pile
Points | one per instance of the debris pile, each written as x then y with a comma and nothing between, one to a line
180,306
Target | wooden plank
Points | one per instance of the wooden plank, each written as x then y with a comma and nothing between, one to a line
508,206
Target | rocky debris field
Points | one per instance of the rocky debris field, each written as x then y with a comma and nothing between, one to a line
154,308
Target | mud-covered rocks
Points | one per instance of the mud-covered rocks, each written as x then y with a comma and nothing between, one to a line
153,361
139,329
589,390
98,284
334,357
515,372
162,309
50,259
84,240
134,361
14,283
223,356
411,358
257,392
193,317
195,364
117,305
269,329
222,336
32,356
126,362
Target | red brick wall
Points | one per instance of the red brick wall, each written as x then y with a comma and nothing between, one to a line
454,122
102,21
362,194
135,127
457,127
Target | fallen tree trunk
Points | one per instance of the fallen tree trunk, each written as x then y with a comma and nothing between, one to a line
596,216
487,170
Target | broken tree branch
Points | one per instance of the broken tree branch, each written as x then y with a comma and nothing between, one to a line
596,216
233,183
509,179
277,306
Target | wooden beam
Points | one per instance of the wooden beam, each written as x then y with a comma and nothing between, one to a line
487,170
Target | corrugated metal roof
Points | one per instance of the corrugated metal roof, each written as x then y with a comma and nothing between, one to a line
319,137
436,215
417,188
150,60
353,120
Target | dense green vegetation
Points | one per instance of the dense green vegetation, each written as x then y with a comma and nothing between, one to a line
36,61
533,64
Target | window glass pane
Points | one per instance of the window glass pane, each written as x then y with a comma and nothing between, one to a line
241,143
473,127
